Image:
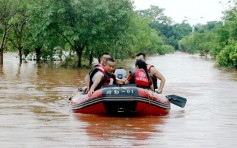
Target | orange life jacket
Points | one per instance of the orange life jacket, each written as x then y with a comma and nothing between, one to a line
140,78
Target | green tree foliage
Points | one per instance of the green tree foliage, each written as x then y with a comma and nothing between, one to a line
43,22
145,39
170,34
226,51
86,27
167,49
175,33
7,12
86,23
156,14
207,27
220,41
228,56
18,32
196,43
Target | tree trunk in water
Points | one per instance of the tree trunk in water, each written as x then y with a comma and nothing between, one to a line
79,60
79,54
91,57
37,51
20,54
1,69
79,50
1,56
2,45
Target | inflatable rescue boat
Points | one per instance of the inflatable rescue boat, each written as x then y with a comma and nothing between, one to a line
127,99
120,100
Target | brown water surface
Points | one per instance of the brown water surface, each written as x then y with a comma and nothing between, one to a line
35,111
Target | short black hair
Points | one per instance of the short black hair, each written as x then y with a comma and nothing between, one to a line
109,60
143,54
105,53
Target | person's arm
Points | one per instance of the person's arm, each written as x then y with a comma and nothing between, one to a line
95,84
127,81
152,87
118,81
87,80
123,80
151,84
87,77
158,75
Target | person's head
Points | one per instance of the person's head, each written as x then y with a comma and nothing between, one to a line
140,64
103,58
109,65
141,56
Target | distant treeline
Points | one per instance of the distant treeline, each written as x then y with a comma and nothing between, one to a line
217,39
86,28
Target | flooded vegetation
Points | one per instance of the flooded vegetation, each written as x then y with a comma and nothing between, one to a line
35,110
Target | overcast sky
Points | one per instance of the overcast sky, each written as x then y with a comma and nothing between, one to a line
210,10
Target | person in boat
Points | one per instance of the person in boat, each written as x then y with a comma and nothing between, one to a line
155,74
102,76
141,76
103,58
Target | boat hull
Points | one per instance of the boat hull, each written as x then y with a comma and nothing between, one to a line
117,100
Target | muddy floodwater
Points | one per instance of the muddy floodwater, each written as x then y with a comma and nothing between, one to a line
35,111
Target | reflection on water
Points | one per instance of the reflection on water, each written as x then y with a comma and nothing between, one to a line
135,129
35,111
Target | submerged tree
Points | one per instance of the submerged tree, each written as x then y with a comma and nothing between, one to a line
18,31
7,12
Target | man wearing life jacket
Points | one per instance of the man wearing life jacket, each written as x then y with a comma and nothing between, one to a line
102,76
103,58
155,74
141,77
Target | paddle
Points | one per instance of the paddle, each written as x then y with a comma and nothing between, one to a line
177,100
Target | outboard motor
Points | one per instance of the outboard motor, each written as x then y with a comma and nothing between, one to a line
120,73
